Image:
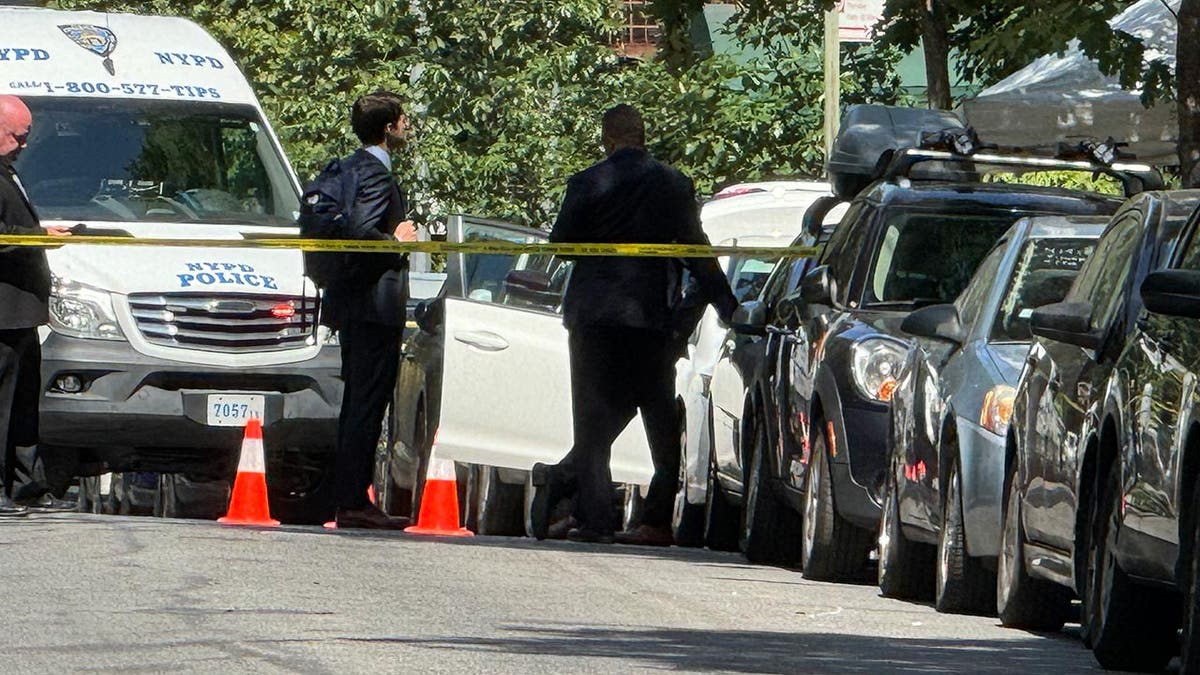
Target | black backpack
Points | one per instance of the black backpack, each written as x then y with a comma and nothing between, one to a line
325,213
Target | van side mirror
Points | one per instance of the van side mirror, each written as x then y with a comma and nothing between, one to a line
1173,293
813,221
750,318
816,288
940,322
1068,322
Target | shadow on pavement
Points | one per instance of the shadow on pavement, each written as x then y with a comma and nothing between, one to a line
769,652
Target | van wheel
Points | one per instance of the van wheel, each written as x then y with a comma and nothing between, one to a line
834,550
496,507
302,490
1131,627
903,564
770,532
963,584
1022,601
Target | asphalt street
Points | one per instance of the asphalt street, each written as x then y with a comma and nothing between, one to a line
100,593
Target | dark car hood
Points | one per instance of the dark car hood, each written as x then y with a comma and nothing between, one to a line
1009,359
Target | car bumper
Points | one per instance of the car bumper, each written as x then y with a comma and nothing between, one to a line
146,412
858,463
981,454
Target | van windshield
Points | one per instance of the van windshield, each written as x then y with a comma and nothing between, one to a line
154,161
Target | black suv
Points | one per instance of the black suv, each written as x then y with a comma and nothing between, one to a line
1094,489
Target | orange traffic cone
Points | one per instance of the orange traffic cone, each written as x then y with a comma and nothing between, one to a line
439,502
248,505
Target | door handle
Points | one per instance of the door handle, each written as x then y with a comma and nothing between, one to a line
482,339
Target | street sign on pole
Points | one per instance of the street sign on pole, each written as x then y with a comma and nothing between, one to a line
857,19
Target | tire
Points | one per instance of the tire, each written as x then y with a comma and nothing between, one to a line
1131,627
770,532
1189,657
962,584
496,507
1022,601
301,491
833,549
721,518
903,564
687,519
385,486
90,497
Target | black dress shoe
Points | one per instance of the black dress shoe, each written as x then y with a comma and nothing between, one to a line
368,518
559,528
48,503
646,535
10,509
589,536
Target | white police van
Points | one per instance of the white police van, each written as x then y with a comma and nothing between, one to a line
155,357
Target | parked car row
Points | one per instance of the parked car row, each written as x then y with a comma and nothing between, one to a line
991,390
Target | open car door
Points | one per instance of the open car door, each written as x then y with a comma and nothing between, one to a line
506,385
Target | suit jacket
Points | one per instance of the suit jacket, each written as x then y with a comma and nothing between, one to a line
633,198
24,274
375,286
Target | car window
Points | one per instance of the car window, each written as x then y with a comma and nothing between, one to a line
845,248
1043,275
928,258
1190,258
1102,279
484,274
972,300
748,276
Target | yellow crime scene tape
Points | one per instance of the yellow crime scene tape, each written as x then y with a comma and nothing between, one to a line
378,246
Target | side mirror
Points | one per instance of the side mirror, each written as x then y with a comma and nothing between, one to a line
428,315
788,312
1173,293
940,322
750,318
814,217
1068,322
816,288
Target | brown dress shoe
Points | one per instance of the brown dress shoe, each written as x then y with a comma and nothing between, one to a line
369,518
646,535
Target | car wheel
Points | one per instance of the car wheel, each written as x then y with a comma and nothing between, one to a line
963,584
687,519
1022,601
1132,627
770,532
1189,656
497,508
382,481
834,550
720,517
301,487
183,496
903,564
90,498
406,501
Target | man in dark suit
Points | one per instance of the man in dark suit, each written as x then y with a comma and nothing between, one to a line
620,314
24,293
366,306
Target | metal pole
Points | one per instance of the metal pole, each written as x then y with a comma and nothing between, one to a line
833,83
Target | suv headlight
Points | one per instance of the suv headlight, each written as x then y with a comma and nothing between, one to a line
997,409
876,364
81,311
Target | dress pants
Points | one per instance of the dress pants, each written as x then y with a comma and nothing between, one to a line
20,391
370,359
615,372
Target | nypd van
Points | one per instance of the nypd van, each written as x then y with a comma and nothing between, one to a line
155,357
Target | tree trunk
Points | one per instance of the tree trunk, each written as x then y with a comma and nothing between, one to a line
936,39
1187,78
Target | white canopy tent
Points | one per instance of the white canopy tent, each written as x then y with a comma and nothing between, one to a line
1067,98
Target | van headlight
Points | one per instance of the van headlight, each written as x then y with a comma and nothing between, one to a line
876,365
81,311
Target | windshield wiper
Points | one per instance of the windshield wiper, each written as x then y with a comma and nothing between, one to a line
915,303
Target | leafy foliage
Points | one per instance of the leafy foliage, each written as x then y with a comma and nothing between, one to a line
509,93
